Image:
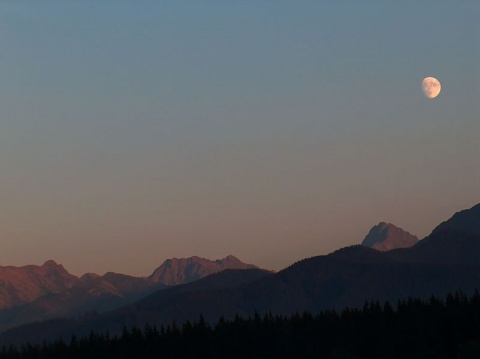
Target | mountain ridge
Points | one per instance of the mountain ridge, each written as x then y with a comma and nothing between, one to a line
19,285
445,261
467,220
90,292
176,271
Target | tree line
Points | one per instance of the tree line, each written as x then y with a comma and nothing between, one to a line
437,328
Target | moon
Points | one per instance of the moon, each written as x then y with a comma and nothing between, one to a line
431,87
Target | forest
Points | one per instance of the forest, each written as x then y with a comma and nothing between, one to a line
415,329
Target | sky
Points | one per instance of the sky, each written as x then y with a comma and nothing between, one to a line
136,131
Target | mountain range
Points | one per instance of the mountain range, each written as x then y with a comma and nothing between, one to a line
445,261
34,293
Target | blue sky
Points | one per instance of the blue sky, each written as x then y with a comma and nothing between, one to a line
132,132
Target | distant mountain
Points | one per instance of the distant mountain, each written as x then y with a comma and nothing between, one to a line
446,261
91,292
19,285
185,270
346,277
210,295
386,236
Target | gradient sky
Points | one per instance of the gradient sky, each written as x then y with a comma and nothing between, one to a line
136,131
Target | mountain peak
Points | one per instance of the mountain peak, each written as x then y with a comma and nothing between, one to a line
50,264
53,267
25,284
228,259
386,236
183,270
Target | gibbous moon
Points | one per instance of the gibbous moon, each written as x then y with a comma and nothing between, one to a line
431,87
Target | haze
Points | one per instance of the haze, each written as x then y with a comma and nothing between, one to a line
132,132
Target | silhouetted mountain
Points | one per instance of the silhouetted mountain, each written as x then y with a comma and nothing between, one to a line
445,261
184,270
210,295
455,241
386,236
430,328
466,221
346,277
